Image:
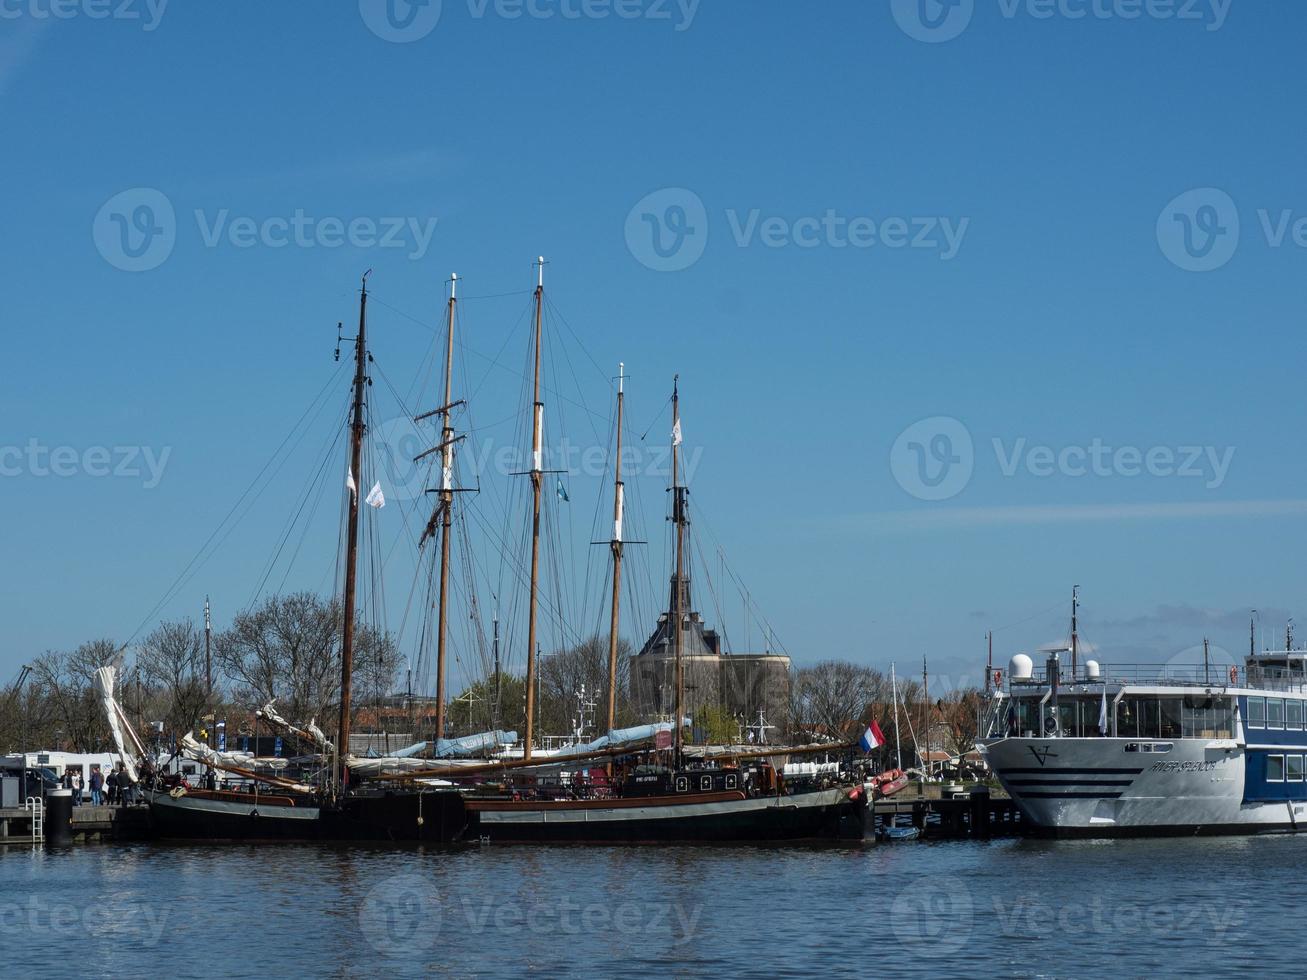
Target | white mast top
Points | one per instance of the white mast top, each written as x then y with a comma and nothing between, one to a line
453,284
621,375
540,278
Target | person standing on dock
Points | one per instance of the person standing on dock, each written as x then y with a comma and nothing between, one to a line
75,784
97,786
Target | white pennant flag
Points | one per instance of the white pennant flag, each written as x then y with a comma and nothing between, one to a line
676,433
375,497
349,480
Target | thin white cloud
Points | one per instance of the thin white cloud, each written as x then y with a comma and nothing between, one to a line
931,519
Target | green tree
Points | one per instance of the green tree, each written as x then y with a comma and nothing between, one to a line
714,725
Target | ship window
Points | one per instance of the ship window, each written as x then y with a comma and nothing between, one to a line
682,784
1256,712
1293,714
1275,768
1206,717
1274,712
705,782
730,781
1127,721
1293,768
1028,717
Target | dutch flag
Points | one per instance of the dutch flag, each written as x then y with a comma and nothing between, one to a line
871,738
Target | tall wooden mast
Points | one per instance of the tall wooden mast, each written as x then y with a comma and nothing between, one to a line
925,711
616,545
208,657
352,544
678,588
446,508
537,478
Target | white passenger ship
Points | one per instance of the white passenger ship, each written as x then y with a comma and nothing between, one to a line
1121,751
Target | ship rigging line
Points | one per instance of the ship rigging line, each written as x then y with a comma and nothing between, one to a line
1022,622
317,482
493,362
191,568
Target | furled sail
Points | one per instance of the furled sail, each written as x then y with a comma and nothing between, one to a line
313,735
104,682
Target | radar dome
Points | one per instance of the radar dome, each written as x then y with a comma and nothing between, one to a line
1021,668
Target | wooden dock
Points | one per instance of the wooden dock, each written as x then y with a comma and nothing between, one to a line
16,826
89,823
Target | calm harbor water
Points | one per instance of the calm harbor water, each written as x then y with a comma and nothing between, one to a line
1005,908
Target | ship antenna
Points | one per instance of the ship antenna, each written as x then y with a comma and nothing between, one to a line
1075,635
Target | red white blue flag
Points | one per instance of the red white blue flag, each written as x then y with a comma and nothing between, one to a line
872,738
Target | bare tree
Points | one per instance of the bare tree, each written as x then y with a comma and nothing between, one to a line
565,673
65,686
170,661
288,649
959,714
835,698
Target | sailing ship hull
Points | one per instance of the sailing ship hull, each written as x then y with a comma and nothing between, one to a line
228,817
436,817
716,818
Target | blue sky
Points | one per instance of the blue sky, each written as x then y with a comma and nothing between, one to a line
964,314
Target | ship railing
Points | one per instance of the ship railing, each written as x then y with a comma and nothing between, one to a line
1276,679
1114,674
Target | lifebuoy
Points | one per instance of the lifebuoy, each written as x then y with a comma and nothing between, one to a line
1234,675
998,678
177,792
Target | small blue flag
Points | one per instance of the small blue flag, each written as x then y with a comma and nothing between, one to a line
562,493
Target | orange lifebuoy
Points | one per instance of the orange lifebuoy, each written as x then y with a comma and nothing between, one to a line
1234,675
